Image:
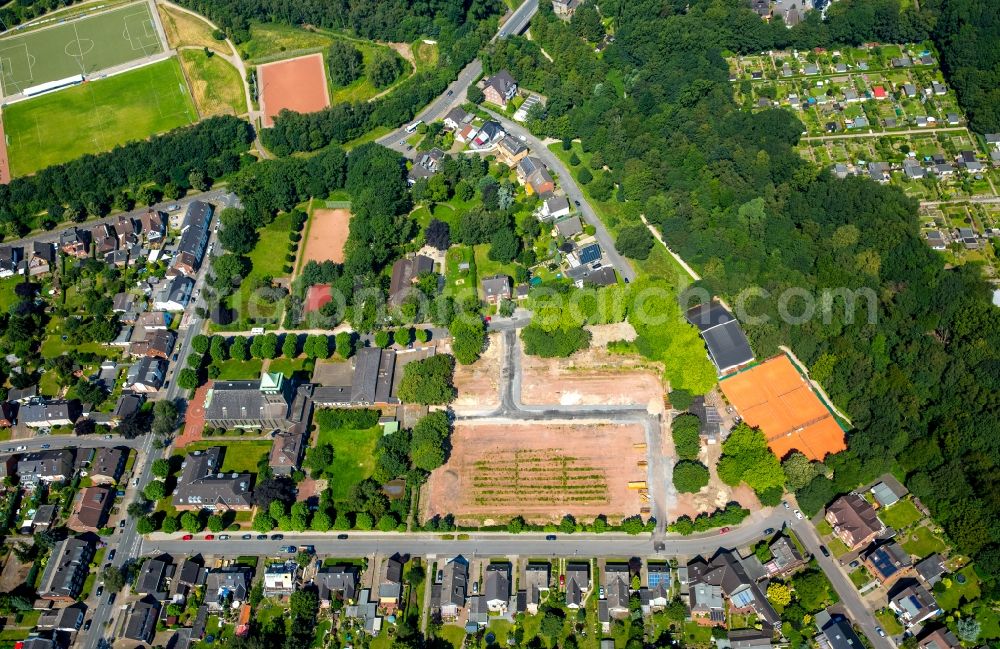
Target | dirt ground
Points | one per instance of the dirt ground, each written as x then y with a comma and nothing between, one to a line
327,235
478,385
591,377
601,335
405,51
296,84
716,494
541,471
14,574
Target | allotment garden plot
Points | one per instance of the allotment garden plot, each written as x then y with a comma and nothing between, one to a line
539,470
80,47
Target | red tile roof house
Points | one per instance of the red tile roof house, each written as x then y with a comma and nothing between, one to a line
500,88
879,92
91,512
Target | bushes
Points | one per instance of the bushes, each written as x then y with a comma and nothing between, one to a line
558,343
690,477
733,514
685,430
635,241
428,382
352,419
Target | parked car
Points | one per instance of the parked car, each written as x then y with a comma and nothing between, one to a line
309,549
451,92
209,537
290,549
262,537
100,590
121,523
562,580
111,555
111,598
723,530
341,537
247,537
769,531
600,592
784,503
855,563
86,625
277,537
187,537
798,514
826,553
550,537
46,445
879,631
224,537
475,588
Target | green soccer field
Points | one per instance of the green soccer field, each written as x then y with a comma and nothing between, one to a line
96,116
82,46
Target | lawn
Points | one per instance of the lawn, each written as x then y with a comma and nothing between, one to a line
353,453
290,366
921,542
486,267
363,89
695,633
860,577
241,456
233,370
271,41
8,297
901,515
454,634
823,528
268,256
889,622
456,278
956,593
837,547
54,345
97,116
216,84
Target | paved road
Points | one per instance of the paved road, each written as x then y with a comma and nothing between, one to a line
572,190
516,23
66,441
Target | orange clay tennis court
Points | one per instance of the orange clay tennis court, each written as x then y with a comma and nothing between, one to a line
296,84
776,398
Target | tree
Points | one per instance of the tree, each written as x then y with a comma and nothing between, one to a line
11,603
161,468
362,521
504,246
468,337
428,382
200,343
345,344
558,343
84,426
690,476
170,525
290,346
164,417
779,595
239,231
113,578
438,234
381,339
567,525
584,176
516,525
475,95
968,629
812,590
187,378
422,335
800,471
387,523
429,444
216,523
344,63
746,457
686,431
681,399
633,525
321,522
403,336
238,349
262,521
385,67
145,525
154,490
191,522
276,489
552,622
635,241
88,392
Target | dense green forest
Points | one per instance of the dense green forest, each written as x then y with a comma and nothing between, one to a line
387,20
732,197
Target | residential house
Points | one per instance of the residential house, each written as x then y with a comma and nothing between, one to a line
127,405
10,260
124,229
456,118
750,638
73,242
153,576
728,572
888,562
785,557
153,225
191,575
953,119
902,62
38,642
173,294
104,239
202,485
249,404
338,582
49,466
66,570
565,8
521,292
879,171
479,613
158,343
23,395
939,638
38,258
141,625
913,169
150,320
540,182
194,238
454,585
617,582
425,165
554,207
851,96
885,495
931,569
146,375
810,69
123,302
500,88
511,151
577,583
226,587
854,520
366,612
67,620
762,8
8,414
496,587
92,507
836,632
496,288
286,453
913,605
527,166
569,227
466,133
44,413
279,579
939,88
936,240
405,273
536,582
488,135
390,590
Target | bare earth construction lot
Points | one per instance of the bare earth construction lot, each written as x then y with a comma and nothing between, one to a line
327,234
296,84
538,470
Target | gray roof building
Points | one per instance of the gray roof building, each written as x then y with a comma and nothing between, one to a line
496,587
248,404
151,577
726,571
751,638
67,570
836,632
405,273
39,413
536,581
108,465
141,624
496,288
45,466
146,374
202,485
931,569
569,227
617,587
727,345
68,619
914,604
227,585
577,583
454,585
338,580
286,453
